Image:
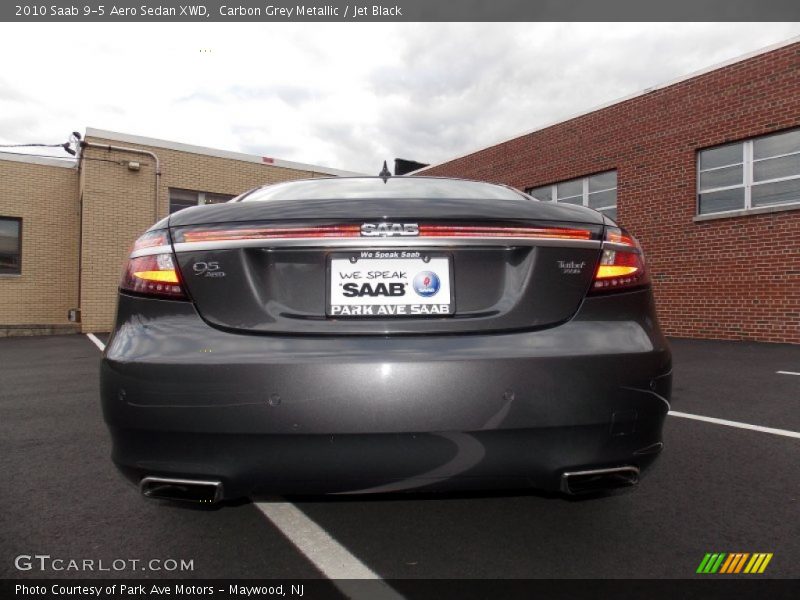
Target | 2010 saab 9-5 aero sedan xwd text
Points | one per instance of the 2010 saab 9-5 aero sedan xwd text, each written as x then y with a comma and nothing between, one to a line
381,334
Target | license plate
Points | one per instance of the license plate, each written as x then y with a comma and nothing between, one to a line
390,283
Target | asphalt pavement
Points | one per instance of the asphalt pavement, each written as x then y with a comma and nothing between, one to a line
716,488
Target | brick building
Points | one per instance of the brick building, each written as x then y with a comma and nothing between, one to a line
66,227
705,171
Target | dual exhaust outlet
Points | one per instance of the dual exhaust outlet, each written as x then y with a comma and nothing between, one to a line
599,480
184,490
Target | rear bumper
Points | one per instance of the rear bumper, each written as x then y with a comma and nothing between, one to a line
270,414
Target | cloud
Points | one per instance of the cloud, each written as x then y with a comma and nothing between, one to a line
463,88
345,95
18,130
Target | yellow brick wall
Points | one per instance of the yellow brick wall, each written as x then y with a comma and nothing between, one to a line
119,205
46,197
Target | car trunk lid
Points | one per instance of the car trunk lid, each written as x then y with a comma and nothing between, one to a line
258,275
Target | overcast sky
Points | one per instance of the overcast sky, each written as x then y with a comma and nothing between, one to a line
341,95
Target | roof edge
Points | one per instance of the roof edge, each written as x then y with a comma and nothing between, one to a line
66,162
660,86
215,152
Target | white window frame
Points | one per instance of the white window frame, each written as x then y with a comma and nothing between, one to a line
584,190
747,179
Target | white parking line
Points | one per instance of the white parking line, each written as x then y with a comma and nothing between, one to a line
785,432
787,373
96,341
329,556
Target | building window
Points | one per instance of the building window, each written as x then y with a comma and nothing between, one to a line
764,171
596,191
180,199
10,246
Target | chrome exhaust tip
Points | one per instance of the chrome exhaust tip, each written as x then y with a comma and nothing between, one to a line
599,480
181,490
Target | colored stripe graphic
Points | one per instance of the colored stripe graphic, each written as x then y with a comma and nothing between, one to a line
711,563
758,563
703,563
718,564
740,563
728,564
765,563
734,562
757,558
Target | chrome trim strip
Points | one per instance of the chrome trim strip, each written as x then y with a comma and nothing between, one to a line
651,449
377,242
609,471
151,250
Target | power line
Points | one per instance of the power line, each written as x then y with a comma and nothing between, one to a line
84,157
67,146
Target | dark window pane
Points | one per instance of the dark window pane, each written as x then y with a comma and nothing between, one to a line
721,177
780,192
602,181
10,246
775,168
569,188
183,195
176,205
543,193
721,156
217,198
180,199
603,199
574,200
775,145
712,202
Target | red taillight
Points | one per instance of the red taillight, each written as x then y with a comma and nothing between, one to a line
267,233
220,234
151,239
615,235
457,231
153,275
622,263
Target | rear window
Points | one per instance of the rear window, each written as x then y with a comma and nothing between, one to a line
375,187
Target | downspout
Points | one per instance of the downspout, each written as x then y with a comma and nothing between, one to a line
80,235
153,155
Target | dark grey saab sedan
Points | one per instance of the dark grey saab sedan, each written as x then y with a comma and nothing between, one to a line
354,335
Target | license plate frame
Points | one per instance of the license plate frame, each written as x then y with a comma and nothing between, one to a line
440,303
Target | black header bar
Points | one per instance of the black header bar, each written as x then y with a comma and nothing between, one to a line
152,11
